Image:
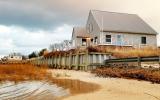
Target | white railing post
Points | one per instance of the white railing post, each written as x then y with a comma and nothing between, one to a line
159,62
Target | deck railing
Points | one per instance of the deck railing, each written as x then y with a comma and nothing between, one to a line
137,60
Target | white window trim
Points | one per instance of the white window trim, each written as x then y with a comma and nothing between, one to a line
141,41
109,43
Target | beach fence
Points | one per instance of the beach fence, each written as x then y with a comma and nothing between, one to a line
151,61
72,60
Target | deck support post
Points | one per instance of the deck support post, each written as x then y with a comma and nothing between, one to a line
87,60
77,61
139,62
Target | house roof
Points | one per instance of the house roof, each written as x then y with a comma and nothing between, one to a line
121,22
80,32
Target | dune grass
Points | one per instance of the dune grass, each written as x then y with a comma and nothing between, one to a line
116,51
133,73
22,72
126,52
143,52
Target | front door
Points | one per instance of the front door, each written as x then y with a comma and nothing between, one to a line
84,42
119,40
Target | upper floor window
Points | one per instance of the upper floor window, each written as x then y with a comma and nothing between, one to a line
90,28
143,40
108,38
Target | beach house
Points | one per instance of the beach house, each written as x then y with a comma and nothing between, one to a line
114,29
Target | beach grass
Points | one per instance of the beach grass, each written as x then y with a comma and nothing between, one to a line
22,72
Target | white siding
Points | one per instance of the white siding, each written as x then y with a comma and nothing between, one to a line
129,39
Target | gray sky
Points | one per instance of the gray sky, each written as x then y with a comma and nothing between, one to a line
30,25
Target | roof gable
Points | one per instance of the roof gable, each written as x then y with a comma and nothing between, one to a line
121,22
80,32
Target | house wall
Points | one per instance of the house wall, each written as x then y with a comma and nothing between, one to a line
76,42
96,30
129,39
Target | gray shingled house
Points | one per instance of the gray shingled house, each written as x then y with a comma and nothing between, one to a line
117,29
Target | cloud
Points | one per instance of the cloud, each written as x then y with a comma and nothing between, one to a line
41,14
18,39
48,14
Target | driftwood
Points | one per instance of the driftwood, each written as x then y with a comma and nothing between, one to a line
152,95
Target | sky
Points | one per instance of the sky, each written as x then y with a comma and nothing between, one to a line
31,25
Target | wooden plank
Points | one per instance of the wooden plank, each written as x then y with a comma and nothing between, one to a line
99,53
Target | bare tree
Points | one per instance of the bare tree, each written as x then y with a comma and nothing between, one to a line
65,45
54,47
61,46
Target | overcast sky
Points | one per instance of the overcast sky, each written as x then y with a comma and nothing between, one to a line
30,25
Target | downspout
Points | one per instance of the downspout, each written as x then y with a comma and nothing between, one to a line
101,34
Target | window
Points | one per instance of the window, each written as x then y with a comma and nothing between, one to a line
84,43
95,40
143,40
90,28
108,38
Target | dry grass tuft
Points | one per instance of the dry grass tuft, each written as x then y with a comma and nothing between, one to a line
140,74
22,72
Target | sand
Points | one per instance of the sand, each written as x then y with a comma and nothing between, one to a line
111,88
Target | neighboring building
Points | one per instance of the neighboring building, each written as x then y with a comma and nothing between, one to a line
118,29
14,56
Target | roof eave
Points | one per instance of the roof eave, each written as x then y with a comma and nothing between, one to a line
128,32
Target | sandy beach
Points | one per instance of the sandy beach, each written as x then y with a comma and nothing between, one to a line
111,88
